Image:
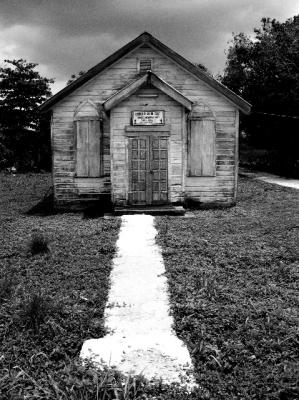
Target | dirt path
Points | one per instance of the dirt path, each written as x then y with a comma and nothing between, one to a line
141,338
270,178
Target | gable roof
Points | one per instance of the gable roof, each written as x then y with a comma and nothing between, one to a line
150,79
146,38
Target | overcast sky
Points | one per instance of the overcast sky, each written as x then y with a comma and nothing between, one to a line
66,36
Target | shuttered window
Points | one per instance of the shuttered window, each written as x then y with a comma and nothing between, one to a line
202,153
88,149
145,64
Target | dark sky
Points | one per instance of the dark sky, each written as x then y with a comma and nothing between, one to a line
66,36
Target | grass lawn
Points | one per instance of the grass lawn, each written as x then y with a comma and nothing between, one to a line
232,285
233,277
50,302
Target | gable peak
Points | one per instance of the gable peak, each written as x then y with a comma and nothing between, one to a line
145,36
145,39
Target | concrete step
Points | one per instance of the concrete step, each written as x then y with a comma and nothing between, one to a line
150,210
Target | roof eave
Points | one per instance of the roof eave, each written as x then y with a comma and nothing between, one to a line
149,78
241,104
145,37
94,71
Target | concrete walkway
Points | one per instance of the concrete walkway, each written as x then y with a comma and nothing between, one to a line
137,314
270,178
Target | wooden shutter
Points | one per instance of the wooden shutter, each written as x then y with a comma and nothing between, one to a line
88,158
82,148
202,147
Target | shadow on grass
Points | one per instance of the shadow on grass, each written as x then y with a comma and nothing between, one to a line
44,207
98,208
192,205
89,209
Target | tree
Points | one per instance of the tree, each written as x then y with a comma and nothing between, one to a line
265,71
22,90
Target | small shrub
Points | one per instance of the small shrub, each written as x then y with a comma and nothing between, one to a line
39,244
36,310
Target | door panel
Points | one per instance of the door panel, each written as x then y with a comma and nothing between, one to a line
159,166
138,169
148,170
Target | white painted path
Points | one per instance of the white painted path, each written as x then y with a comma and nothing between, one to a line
277,180
141,338
270,178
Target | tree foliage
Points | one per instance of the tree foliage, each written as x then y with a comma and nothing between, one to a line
22,90
264,70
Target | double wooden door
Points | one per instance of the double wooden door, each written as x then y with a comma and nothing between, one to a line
148,165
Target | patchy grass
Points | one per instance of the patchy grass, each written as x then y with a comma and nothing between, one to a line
52,298
6,288
233,293
233,278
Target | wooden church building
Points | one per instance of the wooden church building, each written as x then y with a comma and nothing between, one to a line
145,127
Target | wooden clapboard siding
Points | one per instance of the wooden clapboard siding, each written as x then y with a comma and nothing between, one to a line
113,79
236,154
146,40
118,75
93,185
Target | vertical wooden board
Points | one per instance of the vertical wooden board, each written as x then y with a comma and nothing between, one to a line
148,170
94,156
195,148
82,148
117,75
111,80
158,168
236,155
138,170
202,148
208,148
105,148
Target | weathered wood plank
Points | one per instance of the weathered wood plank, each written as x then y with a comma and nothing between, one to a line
202,148
82,148
109,82
94,153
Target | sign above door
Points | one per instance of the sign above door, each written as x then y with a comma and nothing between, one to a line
148,117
